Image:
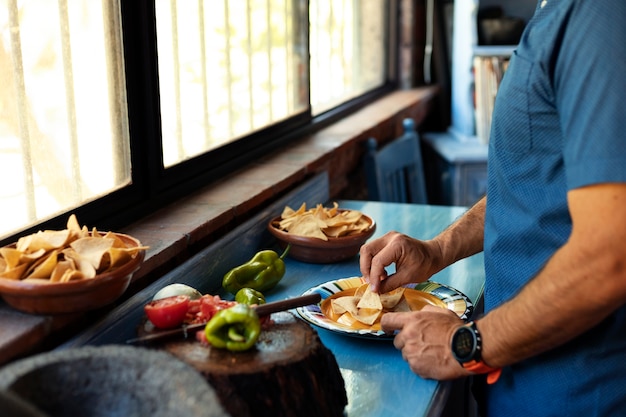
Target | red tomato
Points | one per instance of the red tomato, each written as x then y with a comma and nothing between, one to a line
168,312
211,304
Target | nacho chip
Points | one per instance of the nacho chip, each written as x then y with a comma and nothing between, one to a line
390,299
72,225
46,240
11,257
346,304
362,308
402,307
368,315
72,275
370,300
308,226
44,268
64,255
82,264
60,268
14,273
322,222
117,256
348,320
92,249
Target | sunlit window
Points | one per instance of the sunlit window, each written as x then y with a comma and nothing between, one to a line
63,126
347,50
226,70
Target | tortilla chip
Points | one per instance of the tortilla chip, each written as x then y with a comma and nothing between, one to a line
73,225
365,307
92,249
60,269
65,255
402,306
47,240
368,315
344,304
11,257
370,300
390,299
81,264
44,268
72,275
322,222
14,273
118,256
307,226
347,319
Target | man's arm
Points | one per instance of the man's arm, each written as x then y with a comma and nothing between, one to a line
583,282
417,260
464,237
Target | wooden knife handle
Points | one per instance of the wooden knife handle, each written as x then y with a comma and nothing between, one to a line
289,303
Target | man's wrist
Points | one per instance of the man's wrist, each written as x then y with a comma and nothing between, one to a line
466,346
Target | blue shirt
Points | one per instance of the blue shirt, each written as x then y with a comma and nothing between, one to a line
558,125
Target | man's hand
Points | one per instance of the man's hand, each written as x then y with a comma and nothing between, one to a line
414,260
424,339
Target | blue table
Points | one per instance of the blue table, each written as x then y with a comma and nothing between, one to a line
378,381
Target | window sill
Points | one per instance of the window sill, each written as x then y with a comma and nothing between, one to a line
178,231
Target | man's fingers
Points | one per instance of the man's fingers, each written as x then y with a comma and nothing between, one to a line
437,309
390,322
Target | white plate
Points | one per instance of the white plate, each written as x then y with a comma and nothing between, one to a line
444,295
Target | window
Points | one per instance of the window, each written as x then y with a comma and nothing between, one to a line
63,123
109,107
347,50
226,69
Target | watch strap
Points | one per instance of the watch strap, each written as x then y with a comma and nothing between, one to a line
476,364
480,367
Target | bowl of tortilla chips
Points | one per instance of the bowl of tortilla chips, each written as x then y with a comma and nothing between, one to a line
68,271
322,234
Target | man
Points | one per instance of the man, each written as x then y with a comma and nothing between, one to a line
552,227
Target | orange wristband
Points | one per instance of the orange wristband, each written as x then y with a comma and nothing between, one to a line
481,368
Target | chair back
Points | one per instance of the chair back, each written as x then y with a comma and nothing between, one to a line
395,172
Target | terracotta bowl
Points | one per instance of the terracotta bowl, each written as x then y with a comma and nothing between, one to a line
318,251
73,296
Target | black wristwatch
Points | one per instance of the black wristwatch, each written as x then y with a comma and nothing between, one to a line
466,348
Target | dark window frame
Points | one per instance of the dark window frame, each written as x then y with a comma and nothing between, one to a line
153,186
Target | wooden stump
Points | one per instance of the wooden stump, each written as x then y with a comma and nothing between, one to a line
288,373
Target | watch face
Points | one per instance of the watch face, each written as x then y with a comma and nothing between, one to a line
464,344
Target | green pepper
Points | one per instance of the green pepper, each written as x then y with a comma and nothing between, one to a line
261,273
249,296
235,328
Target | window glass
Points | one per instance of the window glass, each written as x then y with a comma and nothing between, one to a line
347,50
227,69
63,125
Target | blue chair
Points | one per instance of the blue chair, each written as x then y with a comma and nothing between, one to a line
395,172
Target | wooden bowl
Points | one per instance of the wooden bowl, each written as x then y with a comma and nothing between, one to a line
318,251
73,296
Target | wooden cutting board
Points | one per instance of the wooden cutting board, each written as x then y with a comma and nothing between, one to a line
289,372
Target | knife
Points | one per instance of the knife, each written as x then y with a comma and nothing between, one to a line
261,310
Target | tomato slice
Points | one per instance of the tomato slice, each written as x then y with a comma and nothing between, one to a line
168,312
211,304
